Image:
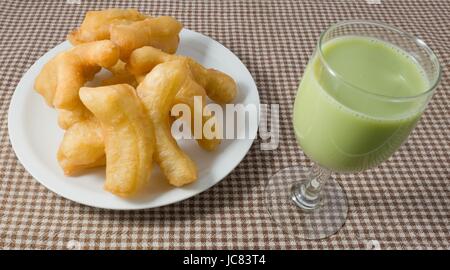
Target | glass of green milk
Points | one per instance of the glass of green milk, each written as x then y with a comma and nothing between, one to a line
362,92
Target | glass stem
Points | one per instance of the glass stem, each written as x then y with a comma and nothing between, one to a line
307,194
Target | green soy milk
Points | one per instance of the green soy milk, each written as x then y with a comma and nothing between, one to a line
356,116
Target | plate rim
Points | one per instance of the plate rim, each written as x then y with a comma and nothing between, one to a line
21,154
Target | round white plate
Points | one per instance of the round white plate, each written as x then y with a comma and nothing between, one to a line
35,136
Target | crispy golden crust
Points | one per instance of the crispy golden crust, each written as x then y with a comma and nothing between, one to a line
128,134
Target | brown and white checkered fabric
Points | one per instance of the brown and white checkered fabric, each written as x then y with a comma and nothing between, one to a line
403,204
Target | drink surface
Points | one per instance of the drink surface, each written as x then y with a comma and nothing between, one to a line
346,120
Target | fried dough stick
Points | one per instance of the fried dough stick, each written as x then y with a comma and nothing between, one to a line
96,24
128,134
186,95
61,78
220,87
157,92
160,32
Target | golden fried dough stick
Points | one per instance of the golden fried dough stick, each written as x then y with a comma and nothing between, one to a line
82,147
157,92
96,24
186,96
120,75
94,56
188,91
160,32
61,78
220,87
128,134
52,75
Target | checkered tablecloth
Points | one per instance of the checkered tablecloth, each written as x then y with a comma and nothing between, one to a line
402,204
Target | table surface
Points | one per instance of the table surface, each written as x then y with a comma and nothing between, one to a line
403,204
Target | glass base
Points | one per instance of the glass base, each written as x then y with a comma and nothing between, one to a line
302,216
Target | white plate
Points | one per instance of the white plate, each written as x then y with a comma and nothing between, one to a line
35,136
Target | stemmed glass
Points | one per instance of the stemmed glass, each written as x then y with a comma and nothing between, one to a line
363,91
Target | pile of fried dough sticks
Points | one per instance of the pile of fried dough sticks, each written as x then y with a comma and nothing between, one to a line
124,123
